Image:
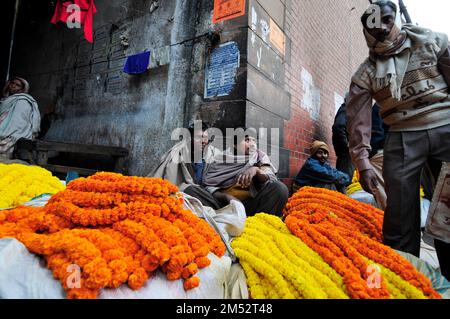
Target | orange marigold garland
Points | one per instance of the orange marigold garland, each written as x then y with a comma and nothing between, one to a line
135,226
347,235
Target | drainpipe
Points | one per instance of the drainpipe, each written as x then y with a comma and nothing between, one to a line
404,11
13,31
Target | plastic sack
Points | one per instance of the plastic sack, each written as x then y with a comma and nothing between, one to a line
25,276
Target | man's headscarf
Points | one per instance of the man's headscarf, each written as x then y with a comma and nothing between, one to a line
25,86
317,145
393,54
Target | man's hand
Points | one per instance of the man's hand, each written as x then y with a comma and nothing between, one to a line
245,180
368,180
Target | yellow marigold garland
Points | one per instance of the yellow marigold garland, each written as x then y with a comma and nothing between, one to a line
21,183
118,230
275,269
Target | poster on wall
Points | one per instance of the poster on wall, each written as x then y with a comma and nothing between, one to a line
277,37
228,9
221,70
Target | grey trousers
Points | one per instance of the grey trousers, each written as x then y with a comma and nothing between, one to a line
205,197
405,156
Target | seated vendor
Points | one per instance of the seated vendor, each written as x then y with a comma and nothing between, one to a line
247,175
318,173
179,165
19,116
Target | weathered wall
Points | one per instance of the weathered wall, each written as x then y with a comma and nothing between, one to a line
299,90
296,61
95,101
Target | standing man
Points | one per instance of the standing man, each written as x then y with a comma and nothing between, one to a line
340,142
407,73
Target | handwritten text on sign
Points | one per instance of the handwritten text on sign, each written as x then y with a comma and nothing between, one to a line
228,9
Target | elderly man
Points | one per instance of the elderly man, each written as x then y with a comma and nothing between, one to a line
407,73
19,115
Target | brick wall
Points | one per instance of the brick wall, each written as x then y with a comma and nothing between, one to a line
325,46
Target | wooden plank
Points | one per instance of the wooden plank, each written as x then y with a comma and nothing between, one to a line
80,148
24,144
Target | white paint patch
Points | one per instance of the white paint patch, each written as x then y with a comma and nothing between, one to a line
311,95
338,101
253,38
254,25
265,30
259,56
254,19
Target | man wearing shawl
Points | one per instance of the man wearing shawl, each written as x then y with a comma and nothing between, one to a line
407,73
318,173
180,167
19,116
246,174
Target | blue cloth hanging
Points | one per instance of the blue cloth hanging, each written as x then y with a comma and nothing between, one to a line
137,64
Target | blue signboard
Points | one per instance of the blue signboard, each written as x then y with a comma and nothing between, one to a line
221,70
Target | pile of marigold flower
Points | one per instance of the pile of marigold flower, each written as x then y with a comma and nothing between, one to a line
347,236
118,230
279,265
355,186
20,183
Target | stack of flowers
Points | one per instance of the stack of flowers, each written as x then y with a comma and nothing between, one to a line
355,186
117,230
279,265
347,235
20,183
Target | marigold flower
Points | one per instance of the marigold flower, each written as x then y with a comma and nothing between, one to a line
117,229
191,283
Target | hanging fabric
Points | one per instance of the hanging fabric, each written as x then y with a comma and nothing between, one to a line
138,63
86,16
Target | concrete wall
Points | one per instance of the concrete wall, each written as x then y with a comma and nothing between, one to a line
95,102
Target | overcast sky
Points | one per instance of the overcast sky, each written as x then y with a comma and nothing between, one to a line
433,14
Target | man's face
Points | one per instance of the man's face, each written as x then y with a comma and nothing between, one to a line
247,146
387,23
322,155
201,139
14,87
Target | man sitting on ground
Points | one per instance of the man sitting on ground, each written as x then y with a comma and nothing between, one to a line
318,173
247,174
179,167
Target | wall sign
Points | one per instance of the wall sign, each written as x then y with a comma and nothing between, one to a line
221,70
277,37
228,9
